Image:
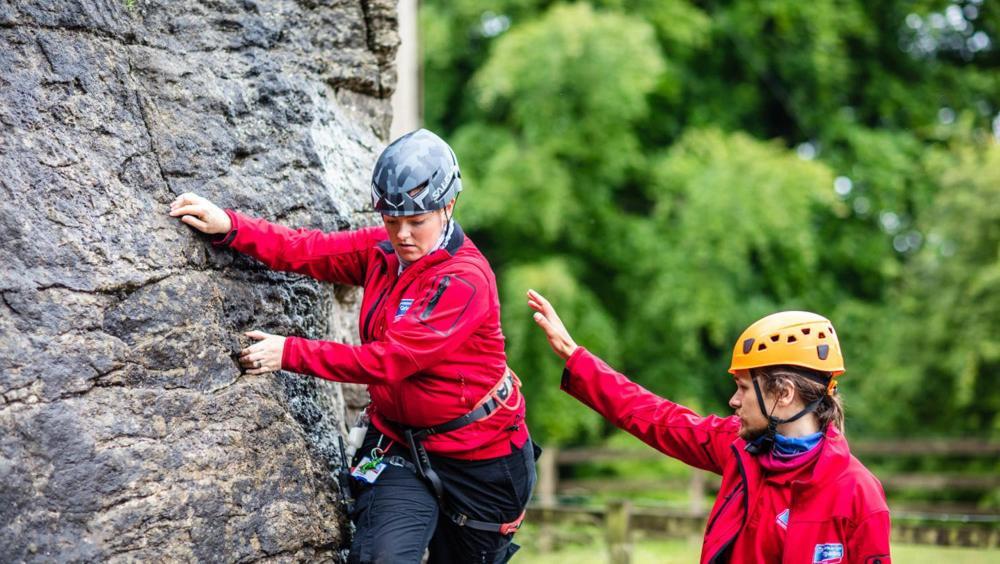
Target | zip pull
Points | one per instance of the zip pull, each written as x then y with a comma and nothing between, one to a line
432,303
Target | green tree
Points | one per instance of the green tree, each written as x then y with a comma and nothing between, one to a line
730,240
943,360
671,170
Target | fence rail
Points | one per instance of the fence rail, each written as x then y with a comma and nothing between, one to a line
620,520
892,482
905,447
941,527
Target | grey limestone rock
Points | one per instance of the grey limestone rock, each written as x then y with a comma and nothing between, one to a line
127,431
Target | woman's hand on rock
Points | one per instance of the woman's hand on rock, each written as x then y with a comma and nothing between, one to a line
200,213
263,356
546,317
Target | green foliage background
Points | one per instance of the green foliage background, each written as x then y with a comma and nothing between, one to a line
668,171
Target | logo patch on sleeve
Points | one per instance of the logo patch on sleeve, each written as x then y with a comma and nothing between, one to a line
404,306
782,519
829,553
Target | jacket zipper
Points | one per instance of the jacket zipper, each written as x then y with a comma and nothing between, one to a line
442,286
378,303
746,501
372,311
729,498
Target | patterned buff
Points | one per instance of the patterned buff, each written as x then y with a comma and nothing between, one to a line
790,453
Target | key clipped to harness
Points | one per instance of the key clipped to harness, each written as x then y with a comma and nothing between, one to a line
370,467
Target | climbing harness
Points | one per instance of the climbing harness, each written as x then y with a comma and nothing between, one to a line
496,399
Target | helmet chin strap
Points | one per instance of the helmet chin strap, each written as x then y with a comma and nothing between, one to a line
764,443
452,214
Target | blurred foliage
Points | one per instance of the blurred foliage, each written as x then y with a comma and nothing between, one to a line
668,171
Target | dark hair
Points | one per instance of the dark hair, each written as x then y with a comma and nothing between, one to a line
807,384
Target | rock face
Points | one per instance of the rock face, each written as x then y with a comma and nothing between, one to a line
127,431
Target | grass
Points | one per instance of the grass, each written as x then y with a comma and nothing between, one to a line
585,545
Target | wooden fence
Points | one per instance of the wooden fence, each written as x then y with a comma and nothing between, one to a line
620,519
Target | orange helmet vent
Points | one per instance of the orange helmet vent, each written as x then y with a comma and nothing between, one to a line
799,338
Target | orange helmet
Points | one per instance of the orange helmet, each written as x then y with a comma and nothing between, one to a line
798,338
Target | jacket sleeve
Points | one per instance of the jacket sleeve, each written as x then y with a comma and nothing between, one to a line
452,307
870,542
332,257
673,429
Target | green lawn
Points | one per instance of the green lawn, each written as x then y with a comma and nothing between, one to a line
586,546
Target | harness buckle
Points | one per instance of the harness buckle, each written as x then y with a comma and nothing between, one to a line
506,387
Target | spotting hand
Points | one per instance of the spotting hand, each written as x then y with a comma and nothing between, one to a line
547,318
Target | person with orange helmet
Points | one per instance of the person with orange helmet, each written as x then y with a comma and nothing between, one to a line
791,490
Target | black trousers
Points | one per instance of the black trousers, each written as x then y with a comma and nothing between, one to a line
398,516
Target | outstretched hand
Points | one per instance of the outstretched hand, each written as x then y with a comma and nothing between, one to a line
263,356
200,213
547,318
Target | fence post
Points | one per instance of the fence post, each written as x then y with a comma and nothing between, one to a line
616,522
548,480
697,491
548,476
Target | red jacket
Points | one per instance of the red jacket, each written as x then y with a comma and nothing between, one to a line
432,349
838,514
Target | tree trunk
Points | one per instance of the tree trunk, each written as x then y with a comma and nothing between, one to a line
127,431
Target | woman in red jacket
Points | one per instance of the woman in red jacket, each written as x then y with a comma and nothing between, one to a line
791,491
447,463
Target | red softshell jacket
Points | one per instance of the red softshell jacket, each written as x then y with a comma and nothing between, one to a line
432,348
838,515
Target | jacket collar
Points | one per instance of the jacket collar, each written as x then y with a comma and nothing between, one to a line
832,461
450,249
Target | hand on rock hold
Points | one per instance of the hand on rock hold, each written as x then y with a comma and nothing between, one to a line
200,213
263,356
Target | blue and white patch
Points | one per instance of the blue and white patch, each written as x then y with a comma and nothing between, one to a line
782,519
404,306
828,553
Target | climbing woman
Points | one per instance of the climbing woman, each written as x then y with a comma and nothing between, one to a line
447,463
791,491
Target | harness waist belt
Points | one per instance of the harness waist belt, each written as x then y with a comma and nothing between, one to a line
503,392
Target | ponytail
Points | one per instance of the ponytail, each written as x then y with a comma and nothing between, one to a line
808,386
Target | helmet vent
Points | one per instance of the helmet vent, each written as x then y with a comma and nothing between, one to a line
747,346
792,339
420,188
775,338
806,330
823,351
821,335
831,329
762,347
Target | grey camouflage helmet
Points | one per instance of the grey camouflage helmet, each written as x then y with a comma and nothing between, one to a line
415,174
